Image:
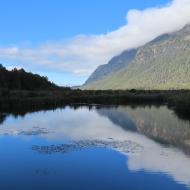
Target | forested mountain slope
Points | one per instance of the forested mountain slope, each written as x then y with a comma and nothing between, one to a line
164,63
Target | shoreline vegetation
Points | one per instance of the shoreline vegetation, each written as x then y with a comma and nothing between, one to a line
21,91
14,100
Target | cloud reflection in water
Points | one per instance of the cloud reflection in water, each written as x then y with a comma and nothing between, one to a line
95,128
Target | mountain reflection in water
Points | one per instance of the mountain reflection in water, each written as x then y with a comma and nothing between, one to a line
153,139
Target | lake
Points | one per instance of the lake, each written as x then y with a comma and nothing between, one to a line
95,147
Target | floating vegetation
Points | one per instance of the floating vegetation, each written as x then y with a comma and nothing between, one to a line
122,146
30,132
35,131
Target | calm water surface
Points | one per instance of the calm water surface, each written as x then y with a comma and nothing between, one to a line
93,148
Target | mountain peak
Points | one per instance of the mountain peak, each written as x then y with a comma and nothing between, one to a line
186,28
184,31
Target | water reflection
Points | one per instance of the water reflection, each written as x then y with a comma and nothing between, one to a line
152,139
121,146
160,124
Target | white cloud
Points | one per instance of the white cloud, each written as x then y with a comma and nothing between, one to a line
82,54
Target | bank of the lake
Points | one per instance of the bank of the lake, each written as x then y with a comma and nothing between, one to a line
11,100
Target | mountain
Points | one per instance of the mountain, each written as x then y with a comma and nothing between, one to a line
19,79
115,64
163,63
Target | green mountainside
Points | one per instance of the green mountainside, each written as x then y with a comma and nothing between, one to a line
115,64
163,63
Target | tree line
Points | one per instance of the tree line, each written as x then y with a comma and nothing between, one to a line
19,79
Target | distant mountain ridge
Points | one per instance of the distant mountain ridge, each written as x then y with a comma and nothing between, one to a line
163,63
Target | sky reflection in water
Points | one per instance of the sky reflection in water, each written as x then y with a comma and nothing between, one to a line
121,147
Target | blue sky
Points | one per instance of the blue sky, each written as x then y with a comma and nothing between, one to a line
32,24
37,21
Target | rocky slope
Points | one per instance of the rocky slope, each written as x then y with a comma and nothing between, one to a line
115,64
163,63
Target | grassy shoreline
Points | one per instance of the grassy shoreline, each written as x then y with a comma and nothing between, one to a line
11,100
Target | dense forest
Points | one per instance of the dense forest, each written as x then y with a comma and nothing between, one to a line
19,79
